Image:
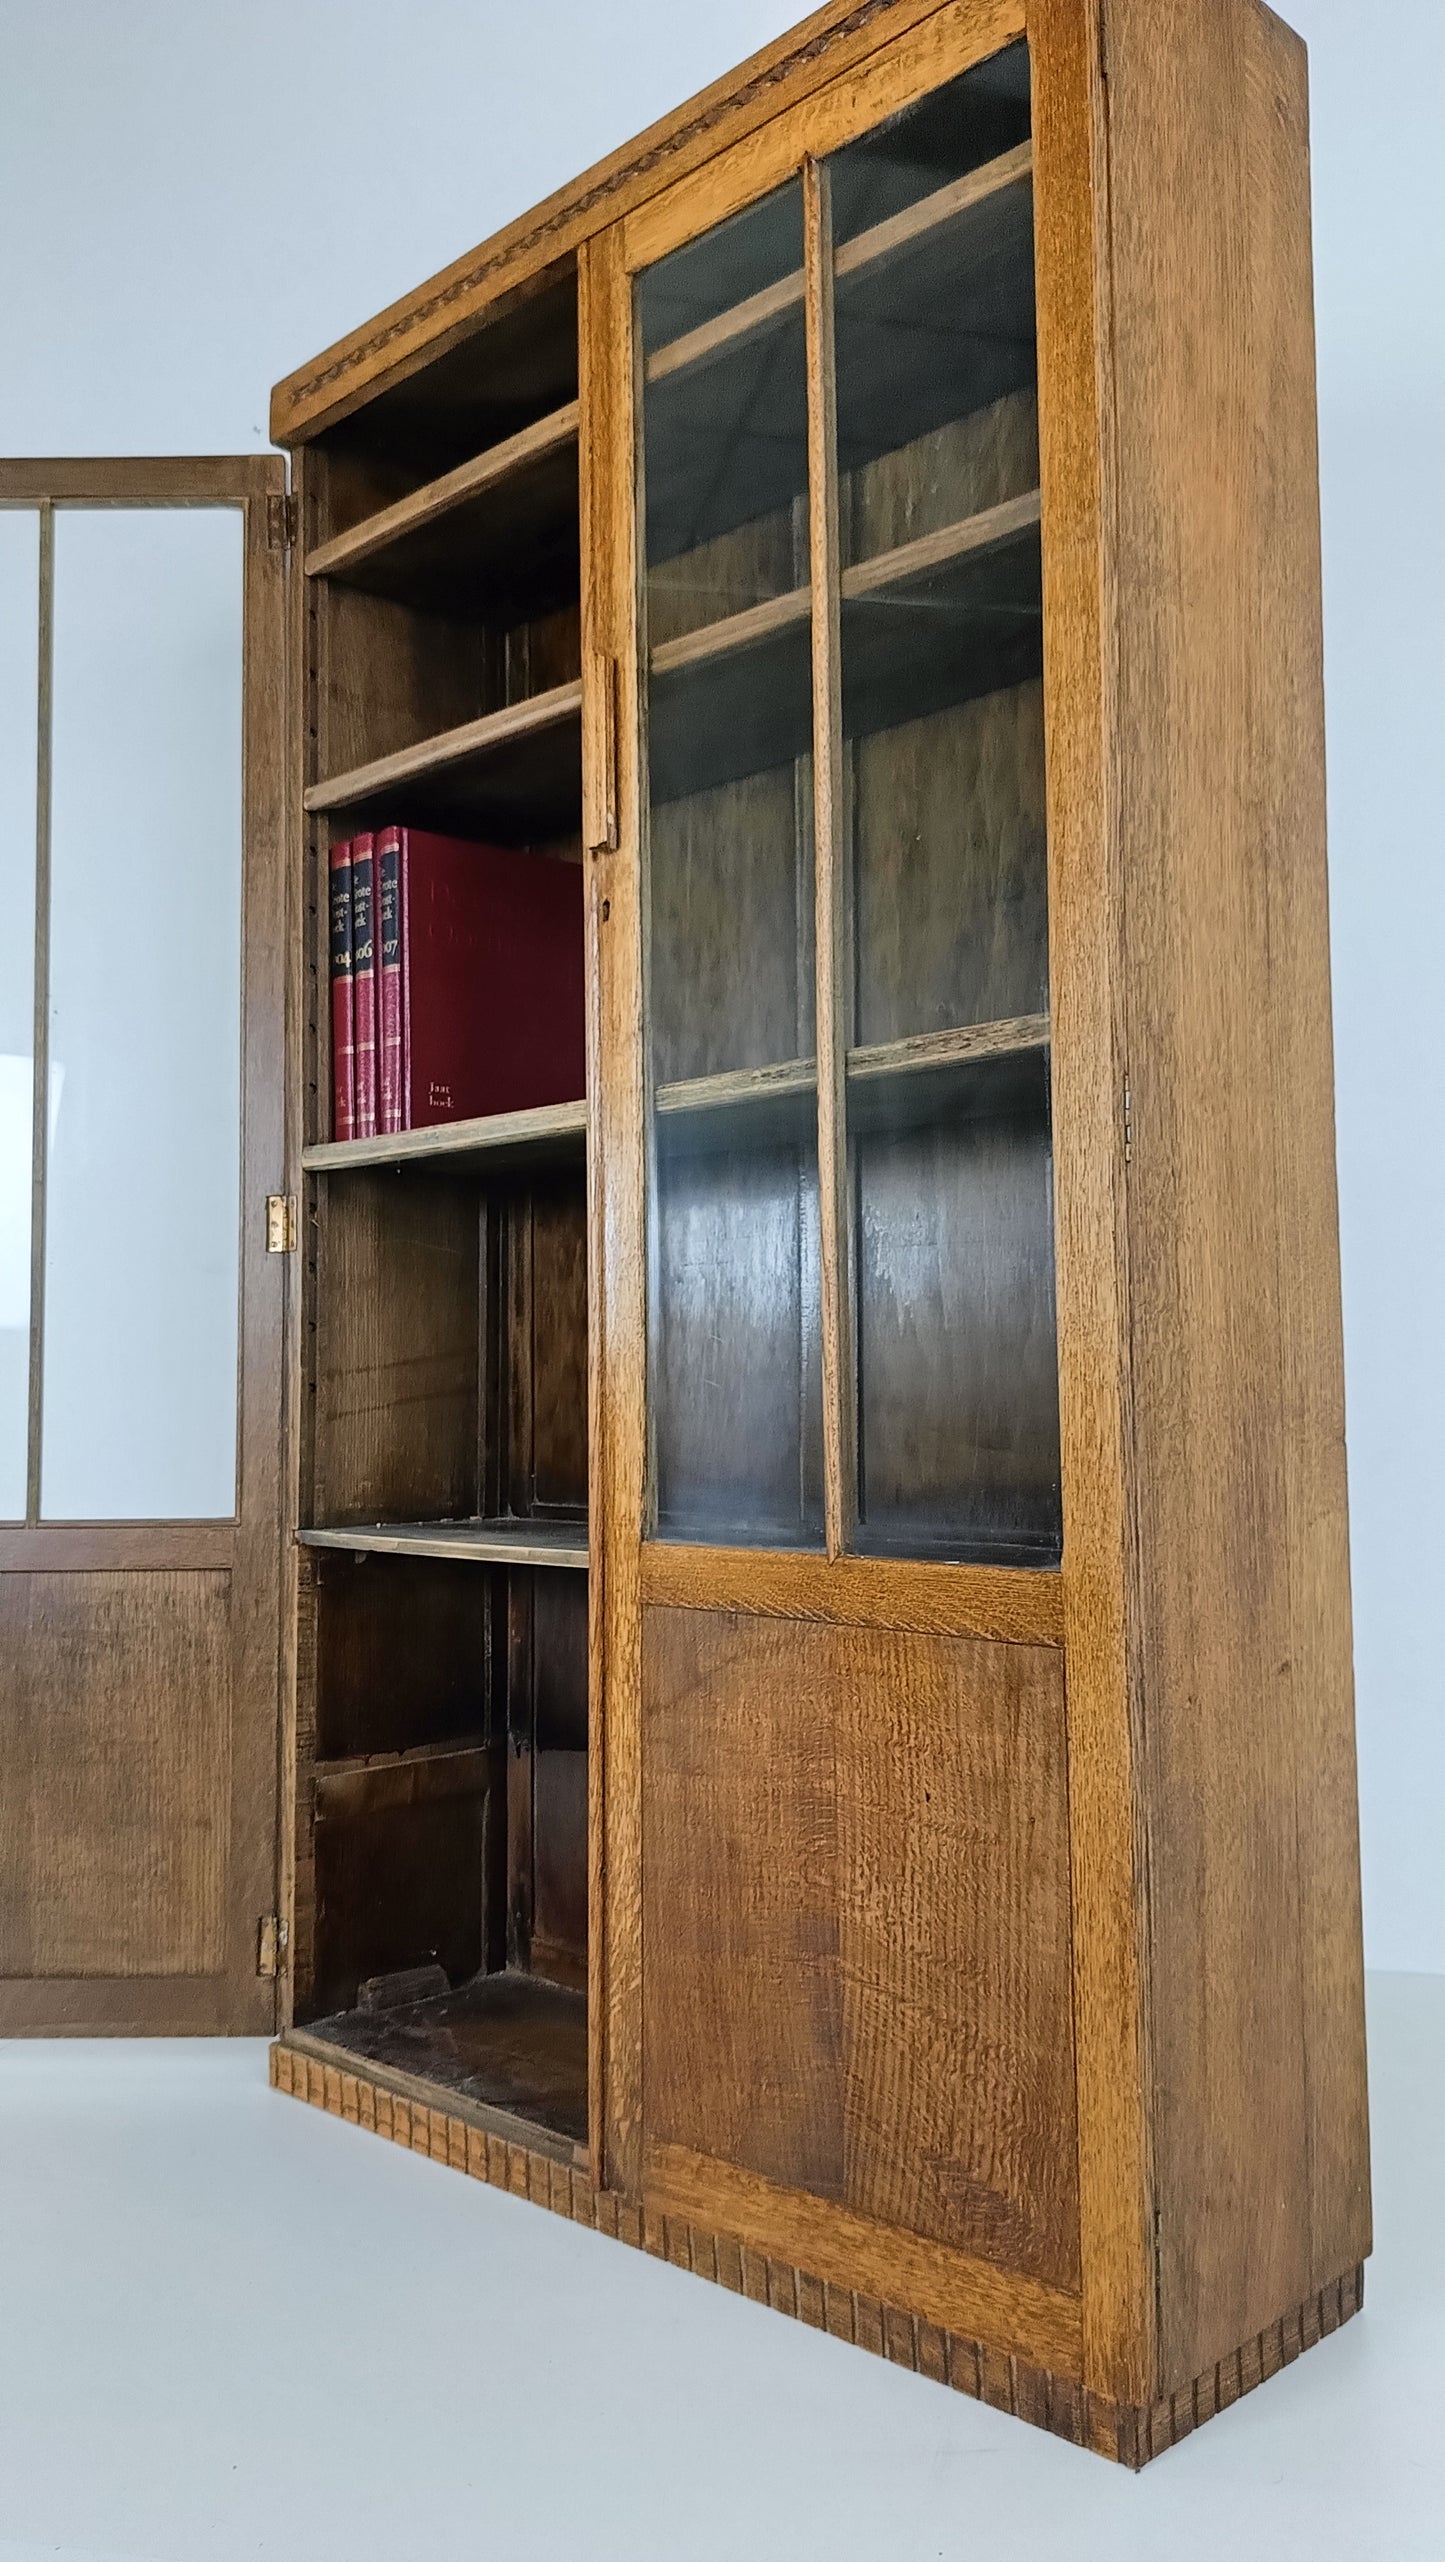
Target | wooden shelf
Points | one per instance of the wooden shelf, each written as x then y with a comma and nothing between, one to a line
929,558
938,216
958,1047
735,696
516,772
550,1131
503,524
887,1080
463,1748
481,1543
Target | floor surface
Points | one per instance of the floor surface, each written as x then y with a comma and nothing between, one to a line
232,2326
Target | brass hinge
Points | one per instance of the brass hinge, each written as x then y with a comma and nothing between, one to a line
282,519
270,1946
1128,1127
280,1223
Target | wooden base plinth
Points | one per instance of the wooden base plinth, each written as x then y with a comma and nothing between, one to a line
1126,2435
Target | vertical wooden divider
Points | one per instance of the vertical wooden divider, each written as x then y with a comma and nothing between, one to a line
1077,472
40,1062
616,1226
839,1437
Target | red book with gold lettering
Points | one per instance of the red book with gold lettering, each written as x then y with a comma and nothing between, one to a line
363,981
343,1021
491,978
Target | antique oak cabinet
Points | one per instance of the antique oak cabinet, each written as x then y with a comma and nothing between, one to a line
810,1588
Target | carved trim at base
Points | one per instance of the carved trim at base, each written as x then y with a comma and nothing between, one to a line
1053,2402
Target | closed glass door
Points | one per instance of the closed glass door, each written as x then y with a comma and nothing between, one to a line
852,1335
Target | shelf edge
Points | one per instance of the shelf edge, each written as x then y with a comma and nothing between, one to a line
438,497
498,1133
560,704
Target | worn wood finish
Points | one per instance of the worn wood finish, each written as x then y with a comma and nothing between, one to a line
513,1138
807,1784
1258,2098
854,2252
1088,1075
118,1711
617,1353
81,1547
1013,1605
525,2163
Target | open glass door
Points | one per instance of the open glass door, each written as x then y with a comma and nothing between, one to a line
142,1019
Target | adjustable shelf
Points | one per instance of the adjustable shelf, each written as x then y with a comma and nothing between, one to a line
476,1542
552,1133
515,773
502,523
889,1082
929,622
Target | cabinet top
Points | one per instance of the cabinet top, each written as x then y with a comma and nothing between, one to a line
384,350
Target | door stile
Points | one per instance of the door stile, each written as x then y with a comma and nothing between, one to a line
840,1469
616,1226
40,1066
1109,1880
266,1278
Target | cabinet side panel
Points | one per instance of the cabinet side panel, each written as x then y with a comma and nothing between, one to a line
1260,2138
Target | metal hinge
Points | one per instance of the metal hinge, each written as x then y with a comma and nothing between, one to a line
1128,1126
271,1938
280,1223
282,520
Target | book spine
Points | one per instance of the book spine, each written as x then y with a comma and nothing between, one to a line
343,1017
363,980
388,979
404,909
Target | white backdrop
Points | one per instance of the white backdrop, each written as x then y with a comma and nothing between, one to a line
197,195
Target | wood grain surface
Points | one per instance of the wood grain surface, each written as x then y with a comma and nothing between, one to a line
823,1808
1258,2072
116,1705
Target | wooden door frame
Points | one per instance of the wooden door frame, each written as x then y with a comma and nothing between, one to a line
247,1547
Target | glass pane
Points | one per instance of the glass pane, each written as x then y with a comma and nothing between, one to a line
943,717
958,1422
736,1399
737,1394
143,1183
19,683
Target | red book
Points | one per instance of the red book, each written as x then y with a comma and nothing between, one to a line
343,1021
387,895
491,980
363,981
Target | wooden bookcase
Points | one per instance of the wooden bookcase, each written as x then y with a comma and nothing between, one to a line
820,1575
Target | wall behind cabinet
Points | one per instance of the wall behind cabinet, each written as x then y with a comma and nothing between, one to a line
153,285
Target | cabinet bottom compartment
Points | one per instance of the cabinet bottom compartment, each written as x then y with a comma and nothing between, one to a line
508,2042
441,1911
